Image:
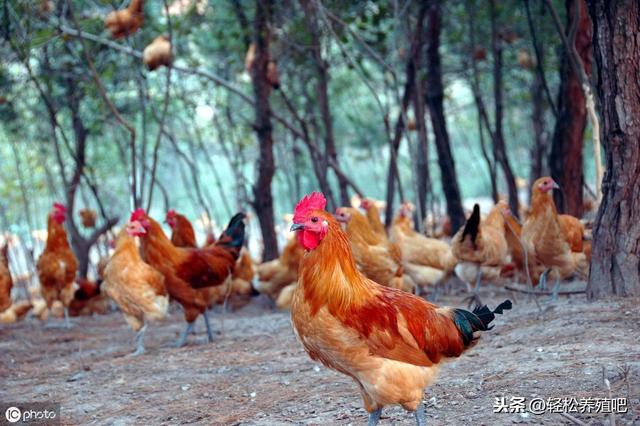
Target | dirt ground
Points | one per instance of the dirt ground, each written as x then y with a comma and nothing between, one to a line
256,373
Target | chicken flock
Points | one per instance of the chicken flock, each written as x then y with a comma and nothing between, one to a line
354,288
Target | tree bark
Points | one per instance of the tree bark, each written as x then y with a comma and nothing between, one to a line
263,199
615,268
566,156
434,97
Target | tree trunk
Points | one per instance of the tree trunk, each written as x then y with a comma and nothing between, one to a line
409,87
566,158
263,200
500,151
539,138
434,97
483,117
615,268
538,90
322,92
422,154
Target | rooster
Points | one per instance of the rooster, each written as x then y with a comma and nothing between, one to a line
389,341
57,265
549,239
183,235
188,269
6,282
136,287
125,22
481,244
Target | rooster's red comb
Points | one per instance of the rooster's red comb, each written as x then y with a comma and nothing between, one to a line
60,207
138,214
313,201
171,213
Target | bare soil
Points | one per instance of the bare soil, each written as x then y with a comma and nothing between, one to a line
256,373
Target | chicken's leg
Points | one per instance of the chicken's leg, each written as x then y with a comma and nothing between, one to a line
542,282
374,417
183,337
206,323
421,418
57,324
556,290
140,341
67,323
474,298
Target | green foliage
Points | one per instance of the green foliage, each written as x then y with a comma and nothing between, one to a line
363,91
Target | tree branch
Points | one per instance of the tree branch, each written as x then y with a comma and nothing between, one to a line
539,68
114,110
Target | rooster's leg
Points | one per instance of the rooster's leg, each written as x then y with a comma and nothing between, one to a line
67,323
421,419
140,341
206,323
374,417
183,337
474,298
543,280
478,280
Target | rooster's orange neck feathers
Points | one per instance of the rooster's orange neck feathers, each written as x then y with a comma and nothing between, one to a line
56,235
328,274
162,246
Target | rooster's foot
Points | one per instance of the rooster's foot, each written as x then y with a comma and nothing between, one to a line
374,417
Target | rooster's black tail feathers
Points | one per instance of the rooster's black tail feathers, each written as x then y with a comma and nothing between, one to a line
478,320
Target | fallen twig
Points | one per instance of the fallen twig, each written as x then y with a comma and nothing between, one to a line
544,293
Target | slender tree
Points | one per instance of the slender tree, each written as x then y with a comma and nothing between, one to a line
322,98
499,148
434,97
566,156
615,268
262,196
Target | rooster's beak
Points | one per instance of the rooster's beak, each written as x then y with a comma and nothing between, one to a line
556,186
296,227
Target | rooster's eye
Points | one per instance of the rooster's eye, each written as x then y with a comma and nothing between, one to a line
314,219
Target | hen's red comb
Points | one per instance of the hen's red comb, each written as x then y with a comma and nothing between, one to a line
138,214
313,201
171,214
60,207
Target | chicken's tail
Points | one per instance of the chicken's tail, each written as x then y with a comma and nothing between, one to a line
478,320
233,236
472,226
